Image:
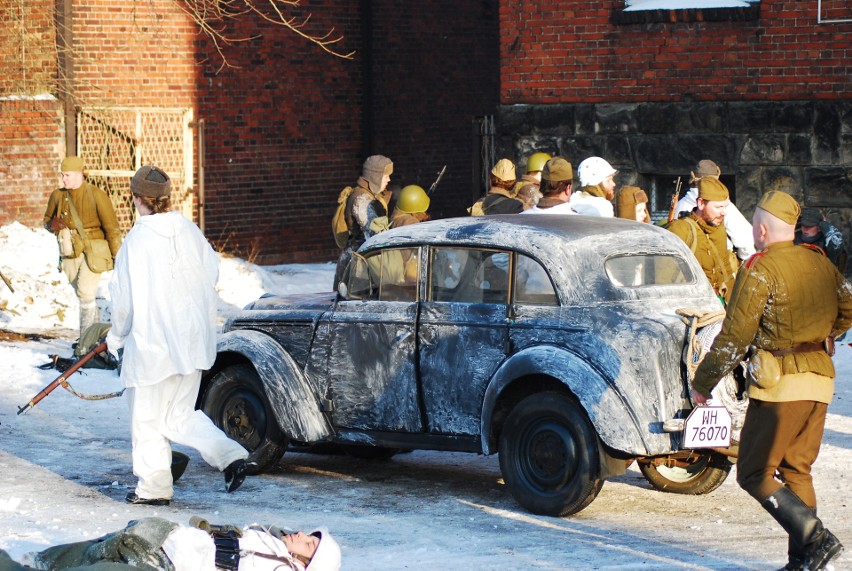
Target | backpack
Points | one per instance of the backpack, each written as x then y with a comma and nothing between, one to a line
88,341
339,227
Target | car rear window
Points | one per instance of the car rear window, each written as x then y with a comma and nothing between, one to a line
637,270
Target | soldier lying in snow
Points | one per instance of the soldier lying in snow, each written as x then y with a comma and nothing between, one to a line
155,544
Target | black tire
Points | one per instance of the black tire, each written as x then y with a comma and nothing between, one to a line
236,403
701,476
370,452
549,455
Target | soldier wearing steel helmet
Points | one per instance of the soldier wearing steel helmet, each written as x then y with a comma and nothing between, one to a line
704,232
528,190
411,207
788,304
597,188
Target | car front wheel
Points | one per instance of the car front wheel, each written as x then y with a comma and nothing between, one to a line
701,474
236,403
549,455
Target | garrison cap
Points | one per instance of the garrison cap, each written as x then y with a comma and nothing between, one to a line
71,164
151,181
780,205
712,189
557,169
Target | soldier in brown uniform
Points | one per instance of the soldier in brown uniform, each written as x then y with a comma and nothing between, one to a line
96,215
366,211
500,198
528,189
704,232
631,202
789,303
411,207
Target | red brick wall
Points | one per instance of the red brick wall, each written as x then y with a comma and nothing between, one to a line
283,137
570,51
33,146
284,125
434,69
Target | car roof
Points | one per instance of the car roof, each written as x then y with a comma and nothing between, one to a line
572,248
548,237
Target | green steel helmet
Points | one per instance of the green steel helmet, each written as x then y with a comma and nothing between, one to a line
413,199
536,162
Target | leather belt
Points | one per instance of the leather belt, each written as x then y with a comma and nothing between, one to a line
800,348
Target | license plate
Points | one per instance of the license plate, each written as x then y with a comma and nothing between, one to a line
707,427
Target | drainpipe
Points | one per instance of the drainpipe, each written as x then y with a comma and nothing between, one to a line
367,77
65,45
201,175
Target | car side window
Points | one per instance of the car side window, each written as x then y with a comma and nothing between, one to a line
389,275
532,284
647,269
469,275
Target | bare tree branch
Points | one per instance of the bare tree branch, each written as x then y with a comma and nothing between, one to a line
213,16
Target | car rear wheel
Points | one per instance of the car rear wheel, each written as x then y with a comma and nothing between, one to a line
701,474
236,403
549,455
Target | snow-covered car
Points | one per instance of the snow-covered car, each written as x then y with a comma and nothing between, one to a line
551,340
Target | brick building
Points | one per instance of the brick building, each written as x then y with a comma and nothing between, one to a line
764,90
261,149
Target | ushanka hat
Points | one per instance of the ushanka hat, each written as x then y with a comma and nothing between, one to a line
151,181
374,169
504,170
780,205
705,168
810,216
712,189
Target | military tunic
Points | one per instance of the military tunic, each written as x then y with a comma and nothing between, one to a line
98,217
710,246
785,301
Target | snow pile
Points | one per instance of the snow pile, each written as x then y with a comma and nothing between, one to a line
44,301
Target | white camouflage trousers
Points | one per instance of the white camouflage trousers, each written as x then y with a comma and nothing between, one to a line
163,413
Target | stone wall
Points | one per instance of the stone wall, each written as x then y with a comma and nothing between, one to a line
803,147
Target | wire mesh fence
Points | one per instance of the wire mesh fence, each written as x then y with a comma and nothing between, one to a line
115,141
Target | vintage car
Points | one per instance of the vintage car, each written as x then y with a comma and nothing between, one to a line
551,340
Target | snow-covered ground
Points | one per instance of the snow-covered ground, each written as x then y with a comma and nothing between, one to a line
65,468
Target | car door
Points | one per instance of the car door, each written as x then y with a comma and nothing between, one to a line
372,356
462,334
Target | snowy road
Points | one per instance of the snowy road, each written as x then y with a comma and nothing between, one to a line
66,469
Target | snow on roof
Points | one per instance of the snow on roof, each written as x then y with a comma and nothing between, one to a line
636,5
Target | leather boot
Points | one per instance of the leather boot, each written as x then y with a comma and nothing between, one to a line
804,528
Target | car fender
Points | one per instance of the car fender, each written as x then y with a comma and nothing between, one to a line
296,407
607,408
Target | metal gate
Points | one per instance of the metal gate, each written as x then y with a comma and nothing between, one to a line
115,141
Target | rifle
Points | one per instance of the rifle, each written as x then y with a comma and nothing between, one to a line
437,180
675,198
7,282
63,380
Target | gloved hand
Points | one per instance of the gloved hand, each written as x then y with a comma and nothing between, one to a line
55,225
379,224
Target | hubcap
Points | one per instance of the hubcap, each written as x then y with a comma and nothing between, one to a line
243,417
550,455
